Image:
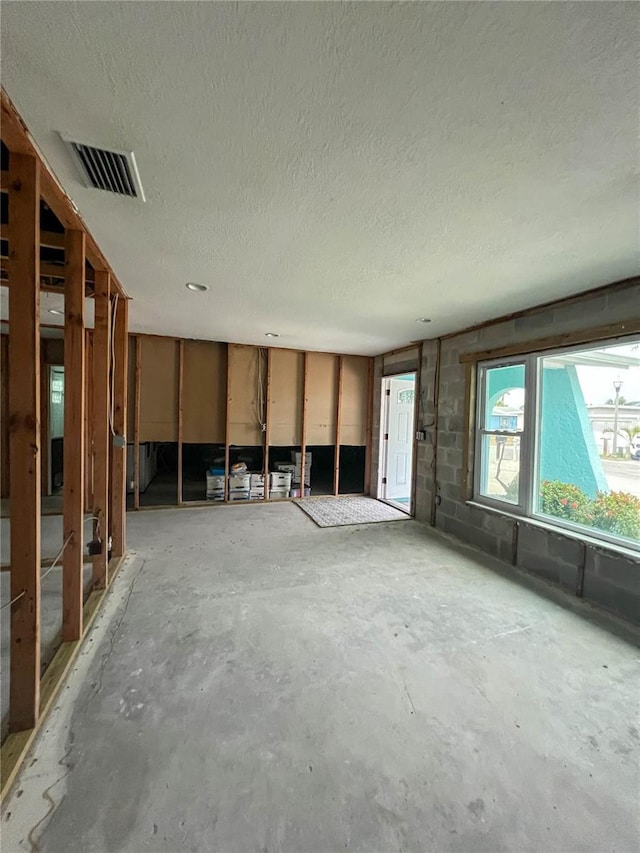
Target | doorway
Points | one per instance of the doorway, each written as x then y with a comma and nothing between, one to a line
397,440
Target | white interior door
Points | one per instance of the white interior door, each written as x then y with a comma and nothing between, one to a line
400,402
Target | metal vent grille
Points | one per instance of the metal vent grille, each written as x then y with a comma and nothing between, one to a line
112,171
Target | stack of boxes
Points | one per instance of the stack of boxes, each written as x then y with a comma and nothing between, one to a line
215,485
256,487
283,482
279,484
295,469
239,487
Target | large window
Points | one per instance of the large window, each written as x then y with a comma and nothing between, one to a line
558,438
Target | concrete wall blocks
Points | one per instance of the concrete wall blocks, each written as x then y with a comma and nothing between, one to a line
614,583
610,579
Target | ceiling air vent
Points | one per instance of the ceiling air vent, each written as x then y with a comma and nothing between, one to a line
113,171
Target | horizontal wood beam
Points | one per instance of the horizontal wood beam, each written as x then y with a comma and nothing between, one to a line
562,339
48,239
16,137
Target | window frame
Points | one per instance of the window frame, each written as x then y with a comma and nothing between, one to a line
528,491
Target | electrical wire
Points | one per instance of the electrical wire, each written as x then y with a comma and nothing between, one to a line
53,564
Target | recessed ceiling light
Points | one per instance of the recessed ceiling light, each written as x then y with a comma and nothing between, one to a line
58,311
423,320
271,335
198,288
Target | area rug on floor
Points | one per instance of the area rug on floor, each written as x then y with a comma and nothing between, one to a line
340,512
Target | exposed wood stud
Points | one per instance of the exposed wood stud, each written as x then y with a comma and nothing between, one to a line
102,431
227,425
120,371
74,428
369,433
267,432
416,417
45,484
88,417
24,441
136,424
336,458
303,429
180,414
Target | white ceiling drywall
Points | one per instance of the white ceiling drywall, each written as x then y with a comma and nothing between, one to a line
334,171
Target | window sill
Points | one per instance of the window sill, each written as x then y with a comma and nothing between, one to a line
591,541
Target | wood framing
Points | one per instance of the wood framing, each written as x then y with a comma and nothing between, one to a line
336,457
136,426
16,137
120,372
585,336
416,416
227,427
24,440
101,428
180,418
88,419
369,429
267,421
15,748
4,416
74,432
45,485
303,426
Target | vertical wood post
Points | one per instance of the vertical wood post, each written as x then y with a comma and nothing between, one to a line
74,429
180,414
369,433
101,427
88,421
303,425
136,425
119,444
417,399
227,425
24,439
336,458
45,479
267,432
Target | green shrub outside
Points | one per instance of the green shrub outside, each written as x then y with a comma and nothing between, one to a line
614,512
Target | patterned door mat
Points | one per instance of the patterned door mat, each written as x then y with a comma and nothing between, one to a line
340,512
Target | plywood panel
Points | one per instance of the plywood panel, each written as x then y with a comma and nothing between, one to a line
204,392
158,389
321,398
355,400
285,397
247,372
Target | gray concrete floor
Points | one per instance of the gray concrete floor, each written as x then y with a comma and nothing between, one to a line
257,683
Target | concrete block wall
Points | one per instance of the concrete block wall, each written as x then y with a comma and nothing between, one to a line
611,579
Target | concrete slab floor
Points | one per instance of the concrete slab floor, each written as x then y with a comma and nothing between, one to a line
256,683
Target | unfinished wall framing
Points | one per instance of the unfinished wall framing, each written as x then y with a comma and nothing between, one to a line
94,387
266,407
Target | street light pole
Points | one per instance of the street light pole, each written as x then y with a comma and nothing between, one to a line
617,384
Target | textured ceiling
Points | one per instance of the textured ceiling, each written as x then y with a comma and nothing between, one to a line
334,171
